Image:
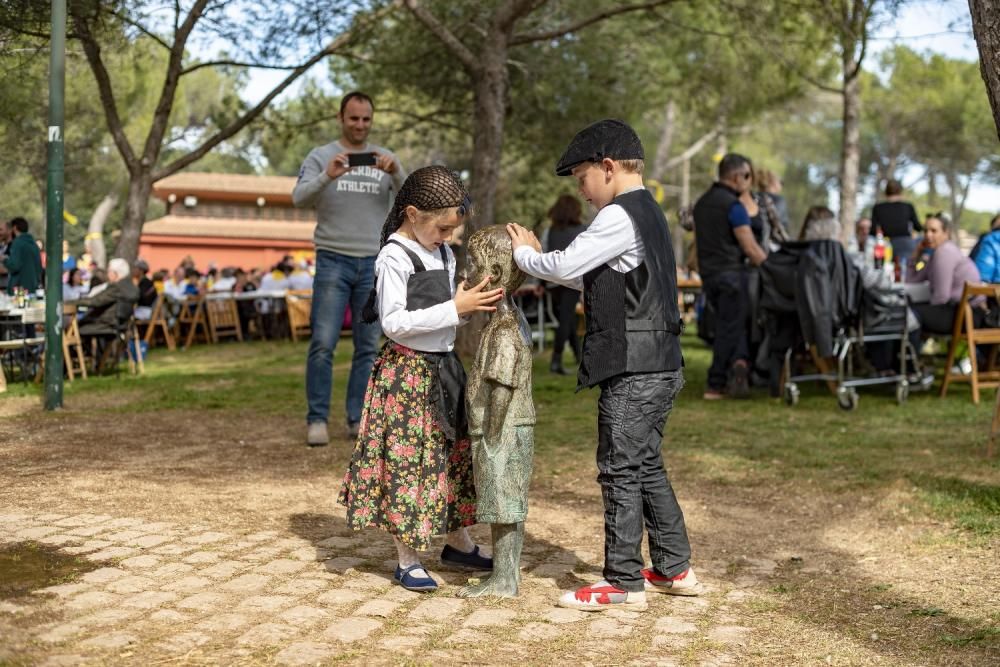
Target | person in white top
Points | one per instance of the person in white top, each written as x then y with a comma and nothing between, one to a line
174,288
226,281
411,471
300,278
624,264
73,288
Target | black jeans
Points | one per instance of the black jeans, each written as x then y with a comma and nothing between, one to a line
564,302
632,412
936,319
727,292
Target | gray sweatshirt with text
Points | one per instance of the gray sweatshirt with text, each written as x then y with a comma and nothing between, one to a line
350,210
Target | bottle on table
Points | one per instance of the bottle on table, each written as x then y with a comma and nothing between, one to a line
880,248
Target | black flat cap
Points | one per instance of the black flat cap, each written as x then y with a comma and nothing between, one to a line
608,138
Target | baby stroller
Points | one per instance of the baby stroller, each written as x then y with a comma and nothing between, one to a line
813,298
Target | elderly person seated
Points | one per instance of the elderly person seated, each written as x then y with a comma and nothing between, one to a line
940,265
108,310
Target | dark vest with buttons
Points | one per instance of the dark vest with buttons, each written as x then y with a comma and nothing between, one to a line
632,318
425,288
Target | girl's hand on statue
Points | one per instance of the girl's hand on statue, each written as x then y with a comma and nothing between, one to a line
475,299
520,236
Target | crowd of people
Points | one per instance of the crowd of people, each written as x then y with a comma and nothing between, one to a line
737,227
108,296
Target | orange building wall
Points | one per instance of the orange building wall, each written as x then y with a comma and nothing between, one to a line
166,252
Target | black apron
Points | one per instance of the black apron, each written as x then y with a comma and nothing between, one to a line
424,289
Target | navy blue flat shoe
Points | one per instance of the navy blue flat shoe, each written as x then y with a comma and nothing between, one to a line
414,583
465,561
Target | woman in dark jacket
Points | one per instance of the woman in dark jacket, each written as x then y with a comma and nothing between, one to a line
565,218
898,220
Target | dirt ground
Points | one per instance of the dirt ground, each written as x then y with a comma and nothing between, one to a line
793,577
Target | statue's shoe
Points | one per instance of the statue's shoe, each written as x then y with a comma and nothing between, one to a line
465,561
411,582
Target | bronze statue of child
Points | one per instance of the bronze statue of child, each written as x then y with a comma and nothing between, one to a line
501,413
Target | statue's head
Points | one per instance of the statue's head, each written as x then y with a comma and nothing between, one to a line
490,254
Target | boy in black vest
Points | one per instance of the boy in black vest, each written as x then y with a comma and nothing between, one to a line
624,263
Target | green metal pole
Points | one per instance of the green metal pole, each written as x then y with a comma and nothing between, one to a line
54,211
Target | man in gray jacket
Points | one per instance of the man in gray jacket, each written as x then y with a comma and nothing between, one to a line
351,205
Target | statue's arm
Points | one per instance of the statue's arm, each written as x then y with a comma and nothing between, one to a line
496,410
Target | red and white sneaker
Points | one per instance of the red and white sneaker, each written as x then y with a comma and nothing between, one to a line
684,583
602,596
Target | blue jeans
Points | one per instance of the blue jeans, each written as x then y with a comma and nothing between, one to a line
341,281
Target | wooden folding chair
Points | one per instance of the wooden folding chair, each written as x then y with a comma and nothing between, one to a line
191,318
133,348
223,319
126,340
964,329
994,429
157,326
298,303
72,345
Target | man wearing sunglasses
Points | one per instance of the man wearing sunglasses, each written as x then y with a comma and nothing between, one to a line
726,246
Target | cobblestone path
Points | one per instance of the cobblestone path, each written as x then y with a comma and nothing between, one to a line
198,594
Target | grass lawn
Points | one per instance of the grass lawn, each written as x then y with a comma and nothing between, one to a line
934,445
865,537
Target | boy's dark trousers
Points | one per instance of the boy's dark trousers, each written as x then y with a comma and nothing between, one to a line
632,411
727,292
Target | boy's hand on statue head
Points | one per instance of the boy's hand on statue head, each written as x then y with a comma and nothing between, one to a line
520,236
472,299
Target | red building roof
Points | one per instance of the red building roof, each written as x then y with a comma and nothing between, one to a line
226,220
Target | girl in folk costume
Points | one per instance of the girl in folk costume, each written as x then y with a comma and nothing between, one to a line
411,471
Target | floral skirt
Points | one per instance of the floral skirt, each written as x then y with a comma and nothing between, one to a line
405,476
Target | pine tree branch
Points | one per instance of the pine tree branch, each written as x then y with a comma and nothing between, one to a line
252,114
92,50
447,37
527,38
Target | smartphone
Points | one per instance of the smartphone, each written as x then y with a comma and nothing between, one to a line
361,159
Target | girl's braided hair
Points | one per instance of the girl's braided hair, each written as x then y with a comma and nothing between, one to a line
427,189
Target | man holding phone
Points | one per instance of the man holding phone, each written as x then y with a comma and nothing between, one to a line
351,183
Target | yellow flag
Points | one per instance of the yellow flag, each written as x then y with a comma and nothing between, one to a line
69,217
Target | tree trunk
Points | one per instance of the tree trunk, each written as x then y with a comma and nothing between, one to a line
957,194
491,86
962,200
94,241
666,141
491,89
850,154
139,187
680,249
932,193
986,29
